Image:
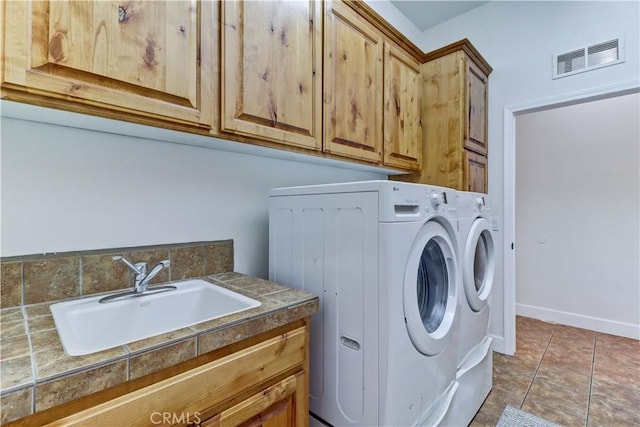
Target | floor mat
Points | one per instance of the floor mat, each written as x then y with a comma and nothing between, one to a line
514,417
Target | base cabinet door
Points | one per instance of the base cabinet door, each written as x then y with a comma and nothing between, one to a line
353,85
271,71
149,58
273,407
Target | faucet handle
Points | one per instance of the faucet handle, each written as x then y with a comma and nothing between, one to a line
138,268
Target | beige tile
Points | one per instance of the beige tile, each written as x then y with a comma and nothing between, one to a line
623,349
623,396
225,277
219,338
56,392
158,340
291,296
268,321
100,273
10,284
155,360
46,340
246,281
572,334
54,361
511,381
487,416
218,257
187,262
554,415
527,325
15,372
11,314
498,399
607,412
268,288
153,257
580,364
12,329
38,310
41,323
51,279
13,346
514,365
565,378
266,306
549,394
16,405
619,372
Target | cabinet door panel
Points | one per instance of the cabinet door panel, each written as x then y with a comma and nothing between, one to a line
475,169
142,56
353,85
476,131
272,407
271,50
402,110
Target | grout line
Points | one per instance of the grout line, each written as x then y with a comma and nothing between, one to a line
535,373
593,364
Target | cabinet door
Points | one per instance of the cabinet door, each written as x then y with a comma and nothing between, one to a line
273,407
271,60
475,172
141,57
353,85
402,109
476,103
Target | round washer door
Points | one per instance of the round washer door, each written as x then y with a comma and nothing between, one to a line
430,289
478,264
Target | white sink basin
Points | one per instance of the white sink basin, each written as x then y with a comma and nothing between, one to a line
86,326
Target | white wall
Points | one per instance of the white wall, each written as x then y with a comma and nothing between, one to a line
578,214
66,189
518,39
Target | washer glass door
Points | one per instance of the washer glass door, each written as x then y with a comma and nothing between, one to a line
478,264
430,289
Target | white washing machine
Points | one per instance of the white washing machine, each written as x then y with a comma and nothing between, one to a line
382,257
474,358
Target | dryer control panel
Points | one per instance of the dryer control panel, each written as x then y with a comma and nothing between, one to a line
412,202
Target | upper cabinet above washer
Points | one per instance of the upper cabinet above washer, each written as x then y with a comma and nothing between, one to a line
144,61
271,71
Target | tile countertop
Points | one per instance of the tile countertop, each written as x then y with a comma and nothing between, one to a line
36,374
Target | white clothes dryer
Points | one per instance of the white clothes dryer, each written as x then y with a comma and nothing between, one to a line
474,358
383,258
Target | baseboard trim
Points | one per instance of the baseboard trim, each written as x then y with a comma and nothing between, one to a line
597,324
498,344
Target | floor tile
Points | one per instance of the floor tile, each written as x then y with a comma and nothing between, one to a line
551,414
571,376
550,394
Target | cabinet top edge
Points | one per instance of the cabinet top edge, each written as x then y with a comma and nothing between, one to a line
386,28
464,45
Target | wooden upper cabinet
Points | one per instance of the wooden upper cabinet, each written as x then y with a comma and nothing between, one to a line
402,109
475,172
141,57
476,107
353,85
454,113
271,64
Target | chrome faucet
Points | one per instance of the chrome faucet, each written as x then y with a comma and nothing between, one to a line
143,278
140,269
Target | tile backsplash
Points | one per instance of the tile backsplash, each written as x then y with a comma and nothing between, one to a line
32,279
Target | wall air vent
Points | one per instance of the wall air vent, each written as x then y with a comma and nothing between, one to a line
588,58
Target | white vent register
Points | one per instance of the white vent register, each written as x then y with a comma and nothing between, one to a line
588,58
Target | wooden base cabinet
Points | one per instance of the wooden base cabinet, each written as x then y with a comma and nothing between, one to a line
149,60
455,145
264,384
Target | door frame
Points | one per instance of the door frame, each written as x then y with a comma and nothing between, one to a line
509,208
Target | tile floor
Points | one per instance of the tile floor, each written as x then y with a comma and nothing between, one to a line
571,376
